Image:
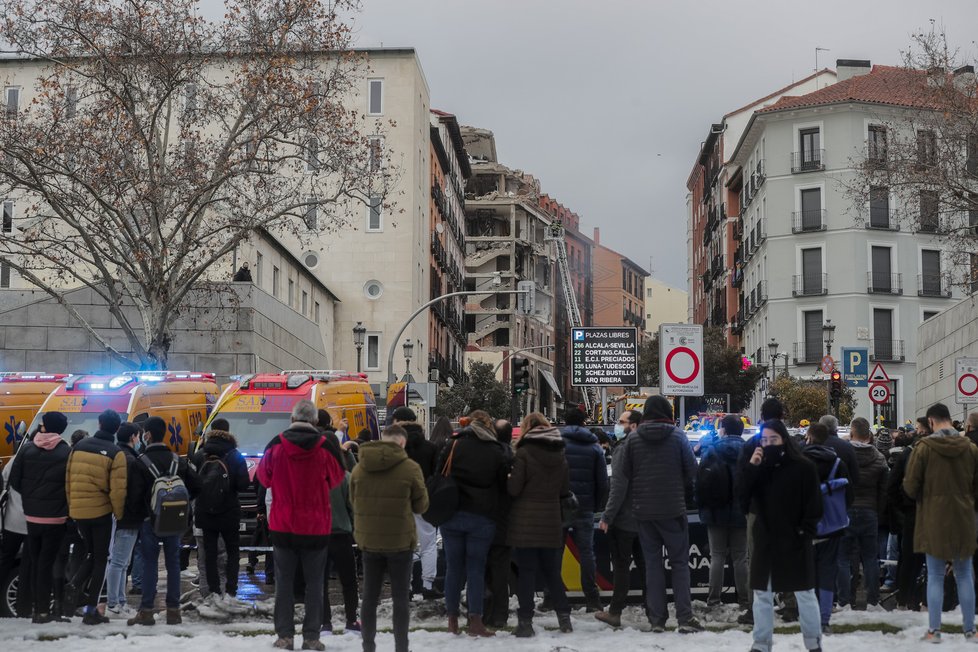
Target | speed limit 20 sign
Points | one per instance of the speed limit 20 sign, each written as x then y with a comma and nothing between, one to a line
879,393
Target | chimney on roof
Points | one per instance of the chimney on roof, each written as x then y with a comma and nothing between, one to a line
849,68
964,79
597,236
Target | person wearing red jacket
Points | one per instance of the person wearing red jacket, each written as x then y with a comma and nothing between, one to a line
299,468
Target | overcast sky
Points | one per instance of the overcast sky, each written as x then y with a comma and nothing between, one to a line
607,102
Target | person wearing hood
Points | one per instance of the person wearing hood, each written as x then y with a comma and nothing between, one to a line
726,525
658,473
589,482
223,475
780,488
861,540
500,560
126,531
842,448
387,490
96,486
540,477
904,511
477,462
425,455
827,545
942,476
38,473
300,467
620,525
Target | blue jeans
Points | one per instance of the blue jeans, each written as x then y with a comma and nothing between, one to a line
150,543
826,570
582,532
964,575
808,616
890,551
123,542
860,544
466,538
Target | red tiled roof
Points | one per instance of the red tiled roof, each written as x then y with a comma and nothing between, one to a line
780,91
882,85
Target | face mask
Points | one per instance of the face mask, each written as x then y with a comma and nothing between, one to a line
773,454
619,431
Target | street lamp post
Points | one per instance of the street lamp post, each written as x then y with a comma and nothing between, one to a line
772,348
828,335
359,332
408,347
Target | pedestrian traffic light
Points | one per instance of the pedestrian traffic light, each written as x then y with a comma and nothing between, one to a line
521,374
836,386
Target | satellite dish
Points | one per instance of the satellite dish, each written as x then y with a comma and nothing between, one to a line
451,382
440,227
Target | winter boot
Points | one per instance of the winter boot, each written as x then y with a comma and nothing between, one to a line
284,644
564,621
93,617
173,616
524,628
142,617
609,618
453,625
313,644
478,628
593,604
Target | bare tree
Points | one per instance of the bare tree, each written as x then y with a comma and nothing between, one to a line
924,152
153,142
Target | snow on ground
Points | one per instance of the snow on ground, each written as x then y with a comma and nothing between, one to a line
254,632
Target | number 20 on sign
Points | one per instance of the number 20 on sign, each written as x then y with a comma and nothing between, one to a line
879,393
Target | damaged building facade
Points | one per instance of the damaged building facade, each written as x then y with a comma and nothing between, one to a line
505,235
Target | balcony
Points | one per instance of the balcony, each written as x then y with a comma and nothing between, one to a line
737,279
760,231
808,161
809,285
883,219
738,230
884,283
886,351
932,285
761,293
808,352
808,221
737,323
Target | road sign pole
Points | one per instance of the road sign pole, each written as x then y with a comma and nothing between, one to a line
604,405
682,412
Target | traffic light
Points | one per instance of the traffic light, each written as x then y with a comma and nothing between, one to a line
836,386
520,374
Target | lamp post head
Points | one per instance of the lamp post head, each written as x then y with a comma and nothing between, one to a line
828,332
359,331
772,348
408,349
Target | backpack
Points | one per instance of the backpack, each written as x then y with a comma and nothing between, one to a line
442,493
169,501
215,486
835,516
714,483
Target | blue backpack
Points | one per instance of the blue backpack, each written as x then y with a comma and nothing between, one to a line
835,516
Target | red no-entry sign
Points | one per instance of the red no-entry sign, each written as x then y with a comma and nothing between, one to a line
681,360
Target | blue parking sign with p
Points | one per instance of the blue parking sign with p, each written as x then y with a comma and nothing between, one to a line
855,367
578,335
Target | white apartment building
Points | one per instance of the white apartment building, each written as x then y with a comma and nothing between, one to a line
809,255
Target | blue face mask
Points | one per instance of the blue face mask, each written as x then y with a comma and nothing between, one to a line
619,431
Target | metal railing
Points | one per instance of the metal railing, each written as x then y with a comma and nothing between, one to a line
884,283
883,219
808,352
806,221
932,285
887,350
808,160
808,285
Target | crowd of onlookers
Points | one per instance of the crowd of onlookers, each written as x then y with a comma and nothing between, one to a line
808,521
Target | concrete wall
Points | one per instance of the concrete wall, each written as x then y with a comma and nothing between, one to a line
951,334
233,328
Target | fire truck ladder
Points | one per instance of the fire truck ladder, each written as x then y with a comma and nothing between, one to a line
555,234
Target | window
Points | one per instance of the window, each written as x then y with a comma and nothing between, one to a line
973,275
375,96
926,147
811,271
373,351
930,209
259,262
971,165
315,311
190,98
305,302
811,149
311,216
929,313
71,101
879,207
11,102
291,292
375,216
877,144
882,276
312,155
276,274
811,209
883,334
930,273
8,216
813,336
376,152
624,279
4,274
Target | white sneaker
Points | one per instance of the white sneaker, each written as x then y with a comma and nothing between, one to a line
875,608
233,605
188,574
120,612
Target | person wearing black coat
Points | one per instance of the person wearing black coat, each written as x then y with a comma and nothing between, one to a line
827,546
221,517
425,454
499,561
780,486
589,482
38,474
904,510
479,467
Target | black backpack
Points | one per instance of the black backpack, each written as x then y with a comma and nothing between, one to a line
714,483
215,486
